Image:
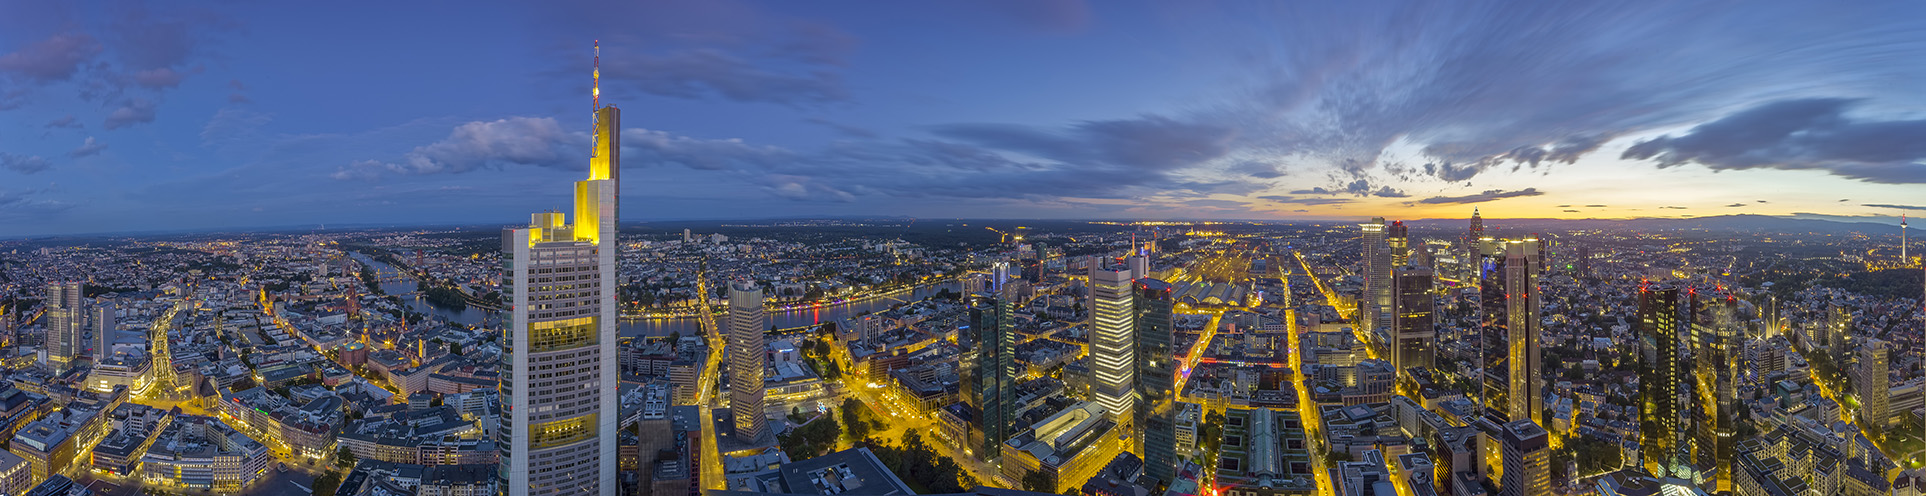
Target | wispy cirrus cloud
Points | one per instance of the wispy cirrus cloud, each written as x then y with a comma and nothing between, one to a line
1486,196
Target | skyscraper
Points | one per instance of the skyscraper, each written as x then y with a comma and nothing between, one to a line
1663,317
1718,344
992,321
1872,384
104,325
1156,379
747,360
1526,450
1398,237
1413,332
1375,312
1508,301
557,433
65,320
1113,353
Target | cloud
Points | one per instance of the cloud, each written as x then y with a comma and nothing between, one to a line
474,145
1260,170
1306,201
1569,210
1802,134
1903,207
231,124
24,164
1673,207
68,121
1387,192
1149,142
135,111
1595,206
1763,201
163,77
845,129
1736,205
1313,191
727,50
697,74
1052,16
88,148
1487,195
54,59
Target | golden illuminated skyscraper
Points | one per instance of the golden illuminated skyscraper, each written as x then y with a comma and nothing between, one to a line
558,429
66,318
747,360
1509,324
1113,348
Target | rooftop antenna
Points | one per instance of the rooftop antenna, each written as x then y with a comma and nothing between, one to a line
595,103
1903,261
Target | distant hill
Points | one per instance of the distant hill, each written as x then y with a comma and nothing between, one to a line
1742,222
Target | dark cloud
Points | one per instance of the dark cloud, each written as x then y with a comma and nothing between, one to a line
1314,191
1150,142
89,148
1388,192
54,59
1803,134
1595,206
1479,84
1763,201
135,111
1260,170
1487,195
24,164
1673,207
1737,205
1306,201
1568,210
1903,207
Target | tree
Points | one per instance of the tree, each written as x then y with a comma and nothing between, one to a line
344,458
1036,480
327,483
853,419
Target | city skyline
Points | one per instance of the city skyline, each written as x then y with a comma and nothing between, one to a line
175,117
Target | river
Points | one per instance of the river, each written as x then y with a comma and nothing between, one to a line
656,327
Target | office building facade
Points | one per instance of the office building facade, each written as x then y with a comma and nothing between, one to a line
1508,302
66,320
1113,353
558,433
1414,333
1663,317
1156,379
993,324
747,360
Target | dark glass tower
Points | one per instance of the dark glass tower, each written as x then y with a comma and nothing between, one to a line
992,321
1663,319
1156,379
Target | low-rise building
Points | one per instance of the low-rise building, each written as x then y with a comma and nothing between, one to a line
204,453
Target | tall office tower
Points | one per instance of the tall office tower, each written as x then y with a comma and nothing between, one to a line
1139,265
1508,301
103,319
1584,261
1871,383
66,319
747,359
993,322
1526,451
558,432
1156,379
1719,346
1375,311
1398,236
1412,322
1113,353
1664,317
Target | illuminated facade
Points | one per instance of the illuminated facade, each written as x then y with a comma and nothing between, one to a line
65,320
1113,353
1508,302
747,360
1718,347
1526,450
1374,313
1663,319
1872,384
993,324
558,433
1156,437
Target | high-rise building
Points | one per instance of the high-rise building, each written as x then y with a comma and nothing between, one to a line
1718,347
993,323
1156,379
1139,265
1526,451
1663,317
1473,238
1113,353
747,360
104,325
557,434
1375,312
65,320
1398,237
1412,323
1872,384
1508,301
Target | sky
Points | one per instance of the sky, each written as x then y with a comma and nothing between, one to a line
132,116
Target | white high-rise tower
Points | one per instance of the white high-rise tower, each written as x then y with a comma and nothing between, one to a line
1113,351
747,359
558,431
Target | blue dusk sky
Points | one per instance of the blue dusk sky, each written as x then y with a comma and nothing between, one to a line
130,116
